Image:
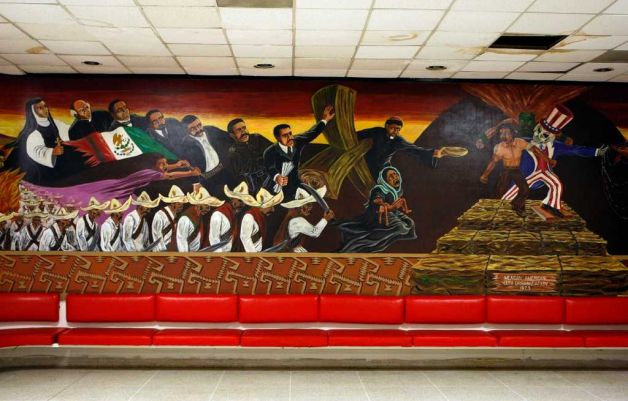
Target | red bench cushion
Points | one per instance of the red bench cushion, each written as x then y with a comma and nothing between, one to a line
196,308
16,307
369,338
452,338
435,309
524,309
604,338
284,338
197,337
598,310
110,308
538,338
29,336
361,309
278,308
98,336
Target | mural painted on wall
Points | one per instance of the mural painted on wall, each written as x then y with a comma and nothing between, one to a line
165,164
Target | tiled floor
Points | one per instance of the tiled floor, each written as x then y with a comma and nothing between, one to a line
315,385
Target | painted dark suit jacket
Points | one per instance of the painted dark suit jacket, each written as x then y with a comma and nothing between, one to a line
274,158
384,148
194,152
173,137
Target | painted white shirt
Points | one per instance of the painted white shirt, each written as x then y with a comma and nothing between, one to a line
81,233
160,221
299,225
15,236
129,225
185,228
219,225
248,229
37,149
25,238
211,157
48,239
107,232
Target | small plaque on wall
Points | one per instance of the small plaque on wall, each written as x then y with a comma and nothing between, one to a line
524,282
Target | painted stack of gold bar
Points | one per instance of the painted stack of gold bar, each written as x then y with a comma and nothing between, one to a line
515,255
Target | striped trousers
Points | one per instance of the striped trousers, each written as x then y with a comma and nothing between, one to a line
554,185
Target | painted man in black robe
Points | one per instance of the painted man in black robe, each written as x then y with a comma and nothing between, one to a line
384,221
82,124
387,141
122,117
246,154
283,158
167,131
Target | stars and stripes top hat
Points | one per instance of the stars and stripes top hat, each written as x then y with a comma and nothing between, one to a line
557,119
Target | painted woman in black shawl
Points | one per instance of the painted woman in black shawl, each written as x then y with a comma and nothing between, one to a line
385,219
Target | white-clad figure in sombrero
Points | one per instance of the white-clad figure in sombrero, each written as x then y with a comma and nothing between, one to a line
58,237
5,231
253,228
87,229
224,224
537,162
135,230
164,225
30,234
15,226
192,233
111,230
295,226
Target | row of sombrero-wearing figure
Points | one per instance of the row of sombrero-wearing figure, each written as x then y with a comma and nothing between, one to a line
207,223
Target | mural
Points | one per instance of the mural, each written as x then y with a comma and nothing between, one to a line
134,165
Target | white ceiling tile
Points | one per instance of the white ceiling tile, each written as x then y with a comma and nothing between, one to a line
619,7
279,63
47,69
200,50
390,20
393,65
4,62
479,75
183,17
132,48
591,42
310,72
124,35
416,4
593,77
357,73
549,24
261,51
535,76
392,52
324,51
109,17
427,74
30,1
588,68
17,46
537,66
508,55
270,72
569,56
68,31
182,3
622,47
259,37
97,2
452,65
2,19
35,13
220,63
256,18
330,4
493,66
10,70
447,53
71,47
8,31
105,61
330,19
619,78
476,21
34,59
395,38
99,69
572,6
136,61
193,36
327,38
322,63
209,70
491,5
462,39
157,70
607,25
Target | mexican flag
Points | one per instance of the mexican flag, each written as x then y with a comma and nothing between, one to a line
121,143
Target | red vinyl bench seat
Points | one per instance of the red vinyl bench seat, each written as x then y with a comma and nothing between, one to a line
198,337
106,336
452,338
29,336
604,338
369,338
538,338
284,338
